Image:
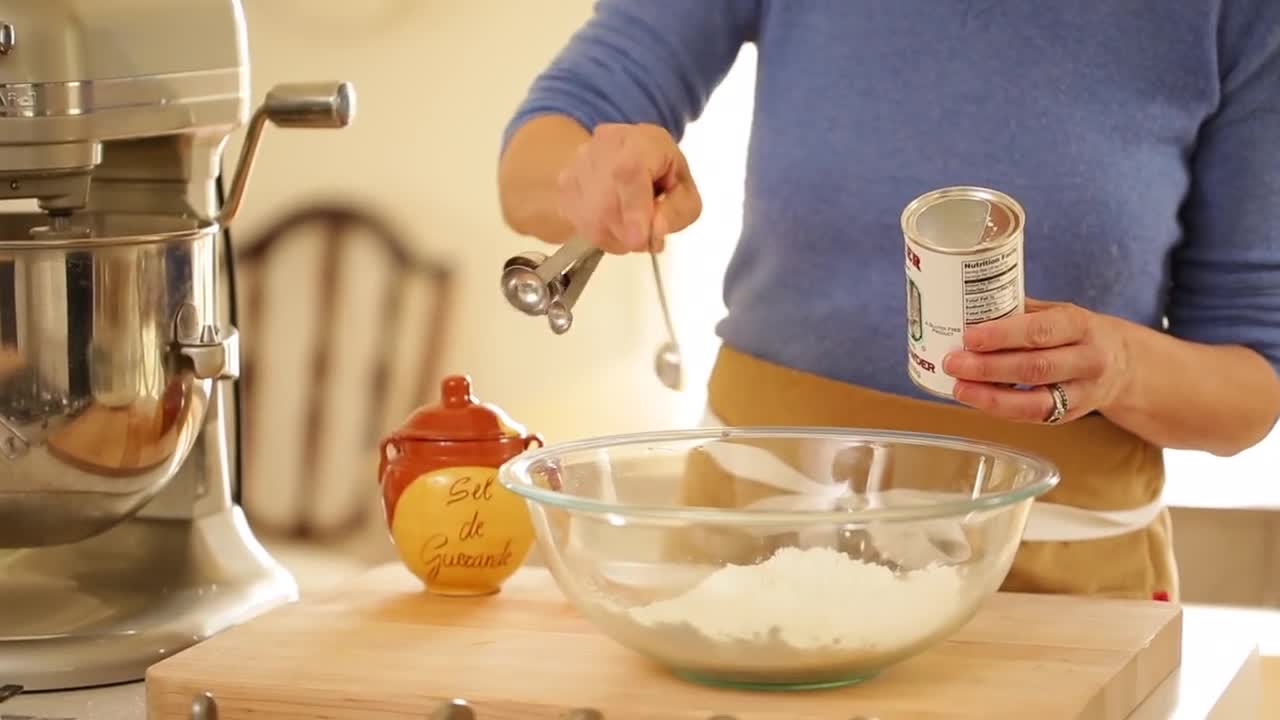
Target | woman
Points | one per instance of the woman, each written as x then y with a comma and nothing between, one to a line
1141,139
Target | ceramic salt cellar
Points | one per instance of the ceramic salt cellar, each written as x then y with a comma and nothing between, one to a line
453,525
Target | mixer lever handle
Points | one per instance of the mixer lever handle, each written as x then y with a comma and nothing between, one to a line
310,105
298,105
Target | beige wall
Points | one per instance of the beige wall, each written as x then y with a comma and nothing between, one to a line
437,79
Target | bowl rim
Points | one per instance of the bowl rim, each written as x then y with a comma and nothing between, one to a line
512,474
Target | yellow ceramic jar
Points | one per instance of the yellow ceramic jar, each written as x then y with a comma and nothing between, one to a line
453,525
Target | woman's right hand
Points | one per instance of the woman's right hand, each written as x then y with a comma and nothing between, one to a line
627,184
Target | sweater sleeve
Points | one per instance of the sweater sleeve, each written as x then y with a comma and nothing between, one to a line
1226,274
641,61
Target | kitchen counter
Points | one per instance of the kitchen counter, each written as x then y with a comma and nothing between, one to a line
1220,679
1240,482
1221,673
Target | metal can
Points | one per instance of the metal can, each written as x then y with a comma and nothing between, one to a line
964,263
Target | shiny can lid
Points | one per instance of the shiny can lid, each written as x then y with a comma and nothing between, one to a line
963,219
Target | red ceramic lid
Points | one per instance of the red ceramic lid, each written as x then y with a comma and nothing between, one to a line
459,416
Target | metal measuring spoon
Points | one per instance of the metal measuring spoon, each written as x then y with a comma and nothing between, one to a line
668,363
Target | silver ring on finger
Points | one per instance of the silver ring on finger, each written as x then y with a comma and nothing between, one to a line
1061,404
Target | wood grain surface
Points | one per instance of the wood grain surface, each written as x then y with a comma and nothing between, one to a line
379,648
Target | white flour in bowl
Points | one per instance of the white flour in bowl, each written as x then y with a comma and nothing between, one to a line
811,599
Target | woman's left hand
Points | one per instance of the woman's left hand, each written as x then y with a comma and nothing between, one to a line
1052,343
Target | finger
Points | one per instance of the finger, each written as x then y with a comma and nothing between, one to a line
573,206
1035,305
1059,325
660,230
634,191
627,162
657,241
593,223
1033,405
604,208
608,240
680,207
630,176
1027,367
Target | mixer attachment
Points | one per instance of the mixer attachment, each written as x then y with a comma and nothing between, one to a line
302,105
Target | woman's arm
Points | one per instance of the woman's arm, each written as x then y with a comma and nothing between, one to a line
1174,393
528,173
1179,394
1210,383
653,62
1224,302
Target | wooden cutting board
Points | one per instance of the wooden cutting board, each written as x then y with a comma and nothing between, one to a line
380,648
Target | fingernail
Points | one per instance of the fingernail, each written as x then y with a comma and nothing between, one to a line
660,226
954,362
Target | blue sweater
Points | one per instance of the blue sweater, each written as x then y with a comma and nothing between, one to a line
1141,136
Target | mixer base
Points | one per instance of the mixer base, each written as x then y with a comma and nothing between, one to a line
100,612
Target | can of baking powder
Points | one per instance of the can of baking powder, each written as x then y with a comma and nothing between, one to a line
964,267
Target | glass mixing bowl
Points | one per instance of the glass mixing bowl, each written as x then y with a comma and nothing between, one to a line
778,557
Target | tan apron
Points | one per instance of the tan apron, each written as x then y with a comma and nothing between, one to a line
1120,537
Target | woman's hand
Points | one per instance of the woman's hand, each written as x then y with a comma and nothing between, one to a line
627,184
1085,352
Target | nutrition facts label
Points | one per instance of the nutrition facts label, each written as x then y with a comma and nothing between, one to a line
991,286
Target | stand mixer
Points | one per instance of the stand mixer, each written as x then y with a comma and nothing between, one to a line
121,539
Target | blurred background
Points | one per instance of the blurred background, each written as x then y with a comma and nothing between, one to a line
400,212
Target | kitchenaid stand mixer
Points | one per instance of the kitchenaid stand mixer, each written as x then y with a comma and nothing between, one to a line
121,541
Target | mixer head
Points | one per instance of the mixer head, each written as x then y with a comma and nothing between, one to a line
114,115
87,88
78,74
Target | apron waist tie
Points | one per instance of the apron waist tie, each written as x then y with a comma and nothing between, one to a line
1047,521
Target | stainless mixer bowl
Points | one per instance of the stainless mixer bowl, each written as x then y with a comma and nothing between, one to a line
108,352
